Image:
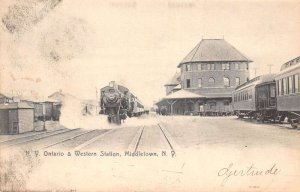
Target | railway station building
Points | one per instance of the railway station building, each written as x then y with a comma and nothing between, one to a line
208,75
16,117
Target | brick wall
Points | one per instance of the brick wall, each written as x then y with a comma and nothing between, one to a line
217,74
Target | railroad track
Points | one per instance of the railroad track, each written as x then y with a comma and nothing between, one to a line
155,137
28,135
67,139
139,138
32,138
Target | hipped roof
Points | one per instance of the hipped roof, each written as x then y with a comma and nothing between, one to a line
214,50
174,80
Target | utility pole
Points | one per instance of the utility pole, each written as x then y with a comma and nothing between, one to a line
270,66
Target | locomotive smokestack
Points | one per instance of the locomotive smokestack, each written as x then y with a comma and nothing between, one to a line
113,84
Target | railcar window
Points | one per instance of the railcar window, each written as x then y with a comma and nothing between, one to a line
284,85
199,82
210,66
290,84
296,83
250,96
272,91
278,87
281,86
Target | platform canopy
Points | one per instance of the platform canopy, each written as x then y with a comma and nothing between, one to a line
183,94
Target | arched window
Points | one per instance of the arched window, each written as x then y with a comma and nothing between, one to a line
226,82
211,82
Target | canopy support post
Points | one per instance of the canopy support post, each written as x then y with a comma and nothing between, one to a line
171,105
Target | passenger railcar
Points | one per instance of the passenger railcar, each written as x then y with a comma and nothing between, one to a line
271,97
256,98
288,92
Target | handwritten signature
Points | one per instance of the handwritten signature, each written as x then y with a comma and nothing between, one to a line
230,171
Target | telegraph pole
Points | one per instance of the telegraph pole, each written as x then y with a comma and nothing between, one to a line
270,66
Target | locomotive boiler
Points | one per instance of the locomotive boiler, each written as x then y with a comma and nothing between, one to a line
118,103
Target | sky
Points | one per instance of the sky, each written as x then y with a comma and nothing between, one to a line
79,46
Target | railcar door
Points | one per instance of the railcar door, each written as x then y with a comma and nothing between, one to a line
262,94
272,99
266,96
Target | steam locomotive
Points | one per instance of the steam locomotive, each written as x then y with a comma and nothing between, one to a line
271,97
118,103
